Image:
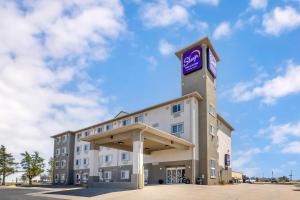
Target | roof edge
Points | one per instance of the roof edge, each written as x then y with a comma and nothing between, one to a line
225,122
193,94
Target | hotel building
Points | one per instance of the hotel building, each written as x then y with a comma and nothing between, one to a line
183,140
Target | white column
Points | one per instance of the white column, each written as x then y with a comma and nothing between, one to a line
137,160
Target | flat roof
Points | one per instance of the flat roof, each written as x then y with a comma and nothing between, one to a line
161,136
193,94
205,41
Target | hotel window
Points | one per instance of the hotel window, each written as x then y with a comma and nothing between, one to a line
86,161
78,149
125,156
177,108
156,125
64,138
62,178
57,152
108,158
107,175
56,164
87,133
57,140
125,174
79,136
213,171
212,130
86,148
63,164
212,110
177,129
85,177
126,122
100,129
63,151
109,127
138,119
77,162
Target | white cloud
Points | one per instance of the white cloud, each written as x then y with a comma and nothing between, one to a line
292,148
270,90
152,63
244,157
222,30
161,14
280,133
194,2
43,48
166,48
281,20
258,4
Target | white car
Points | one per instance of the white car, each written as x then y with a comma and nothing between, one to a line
251,181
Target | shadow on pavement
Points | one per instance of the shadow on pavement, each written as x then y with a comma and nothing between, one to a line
87,192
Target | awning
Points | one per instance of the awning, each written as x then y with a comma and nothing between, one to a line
154,139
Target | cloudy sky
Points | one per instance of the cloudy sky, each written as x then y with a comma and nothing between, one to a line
68,64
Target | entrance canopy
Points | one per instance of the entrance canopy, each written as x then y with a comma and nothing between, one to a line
153,139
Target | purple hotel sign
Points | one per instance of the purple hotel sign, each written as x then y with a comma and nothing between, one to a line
192,60
212,63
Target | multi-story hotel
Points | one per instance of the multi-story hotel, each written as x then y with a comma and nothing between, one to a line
183,140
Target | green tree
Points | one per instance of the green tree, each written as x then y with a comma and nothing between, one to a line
32,164
7,163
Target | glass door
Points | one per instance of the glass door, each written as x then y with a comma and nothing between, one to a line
175,175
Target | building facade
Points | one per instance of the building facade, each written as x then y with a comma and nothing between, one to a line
183,140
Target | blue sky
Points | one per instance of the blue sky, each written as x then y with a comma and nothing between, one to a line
68,64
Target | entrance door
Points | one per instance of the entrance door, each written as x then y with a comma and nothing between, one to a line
175,175
77,181
146,174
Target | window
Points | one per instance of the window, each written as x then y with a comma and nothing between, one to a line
156,125
138,119
100,160
108,158
125,174
79,136
63,164
213,171
212,130
57,140
78,149
177,108
86,161
87,133
107,175
64,138
77,162
109,127
63,150
126,122
62,178
100,129
125,156
212,110
57,152
56,164
86,148
85,177
177,129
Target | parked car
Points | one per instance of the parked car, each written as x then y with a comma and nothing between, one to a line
250,180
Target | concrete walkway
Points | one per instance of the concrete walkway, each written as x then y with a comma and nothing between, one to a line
181,192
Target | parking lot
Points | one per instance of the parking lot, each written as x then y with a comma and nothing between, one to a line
174,192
